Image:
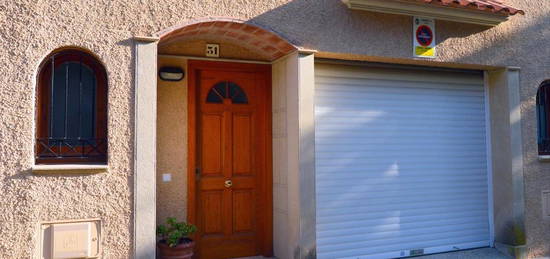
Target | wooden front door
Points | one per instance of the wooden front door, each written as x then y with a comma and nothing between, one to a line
231,157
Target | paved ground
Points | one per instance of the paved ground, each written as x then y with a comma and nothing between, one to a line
482,253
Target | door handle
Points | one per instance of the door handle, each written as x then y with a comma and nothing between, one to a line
228,184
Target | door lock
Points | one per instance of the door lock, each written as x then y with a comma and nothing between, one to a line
197,173
228,184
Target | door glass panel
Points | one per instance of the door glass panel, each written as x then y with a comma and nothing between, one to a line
221,89
213,97
226,90
237,94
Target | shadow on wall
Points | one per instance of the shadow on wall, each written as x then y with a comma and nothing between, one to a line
524,43
329,26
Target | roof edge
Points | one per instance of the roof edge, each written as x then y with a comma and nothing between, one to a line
423,9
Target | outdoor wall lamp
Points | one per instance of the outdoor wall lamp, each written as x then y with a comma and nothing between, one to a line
171,74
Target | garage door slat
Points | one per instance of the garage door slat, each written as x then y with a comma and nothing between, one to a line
401,162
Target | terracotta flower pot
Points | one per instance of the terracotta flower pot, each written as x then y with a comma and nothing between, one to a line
181,251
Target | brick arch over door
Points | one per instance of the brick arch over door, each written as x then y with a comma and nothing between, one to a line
263,42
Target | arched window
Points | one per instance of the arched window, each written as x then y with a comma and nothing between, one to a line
71,109
226,90
543,115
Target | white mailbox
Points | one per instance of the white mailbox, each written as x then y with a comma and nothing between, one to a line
71,240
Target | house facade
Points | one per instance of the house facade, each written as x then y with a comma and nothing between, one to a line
294,129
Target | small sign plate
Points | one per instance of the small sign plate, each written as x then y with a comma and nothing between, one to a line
213,50
424,37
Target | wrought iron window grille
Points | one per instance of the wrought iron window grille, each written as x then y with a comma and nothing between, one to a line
62,148
69,123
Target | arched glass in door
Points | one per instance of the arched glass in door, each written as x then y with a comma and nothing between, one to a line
226,90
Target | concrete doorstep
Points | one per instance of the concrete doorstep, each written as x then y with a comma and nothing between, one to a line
482,253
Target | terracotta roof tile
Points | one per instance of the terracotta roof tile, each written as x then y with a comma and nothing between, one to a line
493,6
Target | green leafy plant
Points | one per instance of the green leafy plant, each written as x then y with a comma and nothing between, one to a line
174,232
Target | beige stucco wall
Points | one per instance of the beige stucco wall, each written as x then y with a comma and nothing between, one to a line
29,30
172,144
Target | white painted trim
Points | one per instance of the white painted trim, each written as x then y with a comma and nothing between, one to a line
516,145
63,168
307,242
305,51
507,153
489,155
69,221
424,10
146,38
144,162
544,158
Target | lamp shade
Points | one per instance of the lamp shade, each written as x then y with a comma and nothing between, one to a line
171,74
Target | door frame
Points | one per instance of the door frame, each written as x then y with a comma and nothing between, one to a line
265,228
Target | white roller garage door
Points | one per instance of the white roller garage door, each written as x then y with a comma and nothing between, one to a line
401,162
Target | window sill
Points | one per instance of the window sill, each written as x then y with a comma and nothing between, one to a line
69,169
544,158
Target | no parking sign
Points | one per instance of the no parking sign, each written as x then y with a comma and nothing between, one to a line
424,37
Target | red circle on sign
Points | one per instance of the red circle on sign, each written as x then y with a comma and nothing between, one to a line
424,35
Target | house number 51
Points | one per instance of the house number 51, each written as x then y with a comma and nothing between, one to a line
213,50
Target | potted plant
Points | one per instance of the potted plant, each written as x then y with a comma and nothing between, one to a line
174,240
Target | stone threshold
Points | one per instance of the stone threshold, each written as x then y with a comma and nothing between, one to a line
480,253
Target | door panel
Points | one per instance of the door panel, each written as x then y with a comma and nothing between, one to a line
213,202
243,211
242,144
212,138
232,178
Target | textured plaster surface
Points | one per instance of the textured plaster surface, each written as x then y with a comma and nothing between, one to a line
30,29
172,144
